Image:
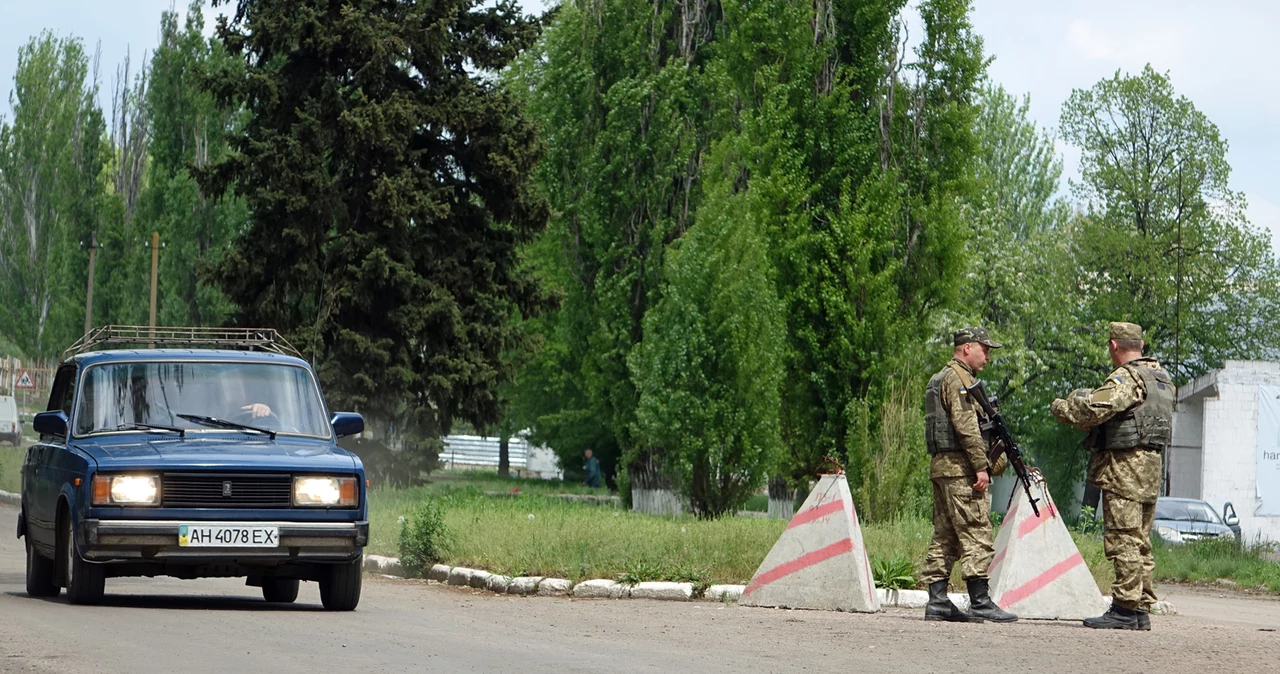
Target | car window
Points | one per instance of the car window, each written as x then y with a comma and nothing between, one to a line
117,396
1186,511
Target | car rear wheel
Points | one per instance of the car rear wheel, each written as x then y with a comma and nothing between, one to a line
281,590
86,581
40,581
340,588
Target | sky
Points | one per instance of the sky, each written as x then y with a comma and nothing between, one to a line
1221,55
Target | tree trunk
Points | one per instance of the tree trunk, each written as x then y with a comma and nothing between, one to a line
504,454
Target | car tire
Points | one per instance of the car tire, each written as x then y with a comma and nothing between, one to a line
340,587
86,581
280,590
40,580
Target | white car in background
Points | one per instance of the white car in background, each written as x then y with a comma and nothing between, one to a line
10,425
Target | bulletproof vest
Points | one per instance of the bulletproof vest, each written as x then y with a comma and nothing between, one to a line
1149,423
939,435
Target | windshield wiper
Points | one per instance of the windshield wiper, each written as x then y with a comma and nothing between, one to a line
182,433
223,423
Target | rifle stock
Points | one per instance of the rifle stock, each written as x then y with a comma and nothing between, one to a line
1002,442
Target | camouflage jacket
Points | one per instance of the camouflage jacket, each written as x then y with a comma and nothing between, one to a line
1132,474
963,413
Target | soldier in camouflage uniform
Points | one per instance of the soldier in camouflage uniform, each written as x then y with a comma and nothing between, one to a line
1130,424
960,473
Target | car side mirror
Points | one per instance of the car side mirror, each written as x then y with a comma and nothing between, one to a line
347,423
1229,514
50,423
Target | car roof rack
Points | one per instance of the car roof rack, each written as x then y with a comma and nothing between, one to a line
252,339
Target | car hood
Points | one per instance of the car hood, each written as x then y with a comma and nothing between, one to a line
219,453
1185,527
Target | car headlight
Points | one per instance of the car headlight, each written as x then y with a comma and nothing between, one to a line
324,491
135,490
1169,534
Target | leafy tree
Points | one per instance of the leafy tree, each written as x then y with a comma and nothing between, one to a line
709,369
627,122
50,160
1164,241
386,174
1019,285
188,131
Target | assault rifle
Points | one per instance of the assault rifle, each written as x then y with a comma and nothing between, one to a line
1002,442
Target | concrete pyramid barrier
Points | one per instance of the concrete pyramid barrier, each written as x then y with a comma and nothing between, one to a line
819,562
1038,572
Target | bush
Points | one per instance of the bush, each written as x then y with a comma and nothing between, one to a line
423,539
896,573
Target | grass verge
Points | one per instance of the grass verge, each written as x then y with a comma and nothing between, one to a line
11,468
534,534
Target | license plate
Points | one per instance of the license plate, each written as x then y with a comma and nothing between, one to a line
228,536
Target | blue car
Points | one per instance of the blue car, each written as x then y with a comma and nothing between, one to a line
211,456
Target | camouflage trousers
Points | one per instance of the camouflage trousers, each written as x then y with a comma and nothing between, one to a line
961,531
1127,543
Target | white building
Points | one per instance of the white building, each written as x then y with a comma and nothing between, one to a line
1218,453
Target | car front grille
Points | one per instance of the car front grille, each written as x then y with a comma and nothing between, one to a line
213,490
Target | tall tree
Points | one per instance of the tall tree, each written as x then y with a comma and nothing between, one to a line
1165,242
709,369
188,131
386,174
1019,284
51,157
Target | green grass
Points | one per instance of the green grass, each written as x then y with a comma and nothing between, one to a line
11,468
1208,561
580,541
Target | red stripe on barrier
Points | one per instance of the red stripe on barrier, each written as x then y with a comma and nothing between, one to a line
1034,585
1031,523
799,564
807,516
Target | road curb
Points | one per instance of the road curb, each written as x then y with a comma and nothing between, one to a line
602,588
10,498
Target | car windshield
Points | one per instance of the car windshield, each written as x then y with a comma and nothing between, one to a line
195,395
1186,511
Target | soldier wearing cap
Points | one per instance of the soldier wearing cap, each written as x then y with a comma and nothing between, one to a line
960,474
1130,423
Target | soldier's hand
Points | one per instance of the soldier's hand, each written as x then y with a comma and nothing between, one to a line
983,482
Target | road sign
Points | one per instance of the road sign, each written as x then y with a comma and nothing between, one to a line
25,380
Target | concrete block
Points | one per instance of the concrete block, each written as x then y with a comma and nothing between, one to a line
524,585
389,566
460,576
439,573
497,583
601,588
724,592
960,599
554,587
479,579
666,591
903,598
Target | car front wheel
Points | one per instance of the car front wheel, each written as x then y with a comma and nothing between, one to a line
40,581
86,581
340,588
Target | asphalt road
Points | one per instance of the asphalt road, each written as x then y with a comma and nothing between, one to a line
166,625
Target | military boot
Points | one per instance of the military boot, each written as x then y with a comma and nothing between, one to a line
940,607
980,605
1120,618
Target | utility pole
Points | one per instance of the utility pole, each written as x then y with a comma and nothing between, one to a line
155,266
88,302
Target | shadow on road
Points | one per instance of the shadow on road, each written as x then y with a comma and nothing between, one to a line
183,603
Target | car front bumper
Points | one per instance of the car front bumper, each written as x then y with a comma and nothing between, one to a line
120,540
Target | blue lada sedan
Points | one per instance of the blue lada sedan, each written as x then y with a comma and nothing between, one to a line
213,460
